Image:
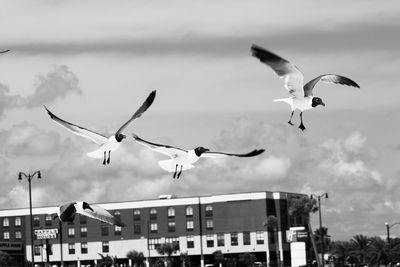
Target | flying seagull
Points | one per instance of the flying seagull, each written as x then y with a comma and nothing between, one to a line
181,160
67,212
5,51
106,144
302,95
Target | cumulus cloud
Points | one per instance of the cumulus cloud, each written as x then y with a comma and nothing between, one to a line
8,101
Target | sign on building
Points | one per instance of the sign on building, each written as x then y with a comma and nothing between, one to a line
46,233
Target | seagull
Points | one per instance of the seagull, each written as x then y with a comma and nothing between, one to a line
5,51
302,95
67,212
182,160
106,144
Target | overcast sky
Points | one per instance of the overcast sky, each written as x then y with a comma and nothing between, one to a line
94,62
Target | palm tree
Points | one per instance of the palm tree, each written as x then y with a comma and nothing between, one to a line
341,251
379,253
185,259
361,247
107,261
218,257
167,249
327,241
248,259
137,258
301,207
272,226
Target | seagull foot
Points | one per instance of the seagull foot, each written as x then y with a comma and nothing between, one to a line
104,162
301,126
290,122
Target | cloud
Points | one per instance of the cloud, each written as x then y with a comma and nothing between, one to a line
8,101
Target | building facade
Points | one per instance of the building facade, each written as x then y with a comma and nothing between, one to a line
231,223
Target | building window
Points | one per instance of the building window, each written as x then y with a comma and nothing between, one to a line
189,226
104,229
260,237
171,212
6,235
246,238
154,243
18,235
84,231
18,221
210,241
189,211
117,230
6,222
137,229
234,239
190,241
71,232
209,224
117,215
47,220
71,248
153,214
172,240
209,211
220,240
153,228
106,246
82,219
171,227
84,248
136,215
36,250
36,221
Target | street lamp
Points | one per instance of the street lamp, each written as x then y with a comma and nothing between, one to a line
29,178
325,195
388,226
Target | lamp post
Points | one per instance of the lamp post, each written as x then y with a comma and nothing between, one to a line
325,195
388,226
29,178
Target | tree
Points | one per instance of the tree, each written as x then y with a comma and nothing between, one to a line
272,226
379,251
185,259
301,207
218,258
341,250
5,258
361,248
137,258
107,261
327,241
167,249
247,259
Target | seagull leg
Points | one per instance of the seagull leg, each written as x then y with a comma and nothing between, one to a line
104,161
109,155
179,174
301,126
291,116
176,170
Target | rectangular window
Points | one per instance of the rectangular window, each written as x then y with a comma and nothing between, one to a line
260,237
246,238
209,224
171,227
189,226
136,215
18,235
210,241
71,248
84,248
171,213
36,250
153,228
6,235
153,214
71,232
84,231
117,230
82,219
104,229
209,211
48,219
189,211
220,240
36,221
6,222
137,229
18,221
190,241
172,240
154,243
234,239
105,246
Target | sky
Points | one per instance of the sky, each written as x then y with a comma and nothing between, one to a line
94,62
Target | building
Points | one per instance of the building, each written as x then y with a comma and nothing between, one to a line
232,223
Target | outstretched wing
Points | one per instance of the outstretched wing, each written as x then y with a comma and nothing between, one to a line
5,51
140,111
96,212
328,78
211,154
170,151
78,130
290,74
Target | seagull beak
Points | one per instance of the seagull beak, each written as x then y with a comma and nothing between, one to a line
322,103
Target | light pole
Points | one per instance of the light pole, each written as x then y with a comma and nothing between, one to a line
325,195
29,178
388,226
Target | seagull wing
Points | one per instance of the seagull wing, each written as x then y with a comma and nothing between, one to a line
99,213
290,74
328,78
170,151
140,111
78,130
5,51
253,153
